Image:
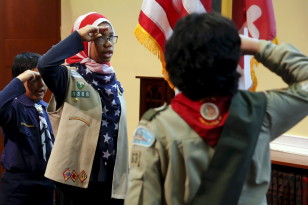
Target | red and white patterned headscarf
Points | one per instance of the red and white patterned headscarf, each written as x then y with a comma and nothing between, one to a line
82,57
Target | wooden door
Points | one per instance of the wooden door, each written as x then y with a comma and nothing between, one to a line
32,25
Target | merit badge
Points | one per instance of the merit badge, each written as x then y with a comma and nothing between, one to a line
143,137
66,174
74,175
80,85
82,176
209,111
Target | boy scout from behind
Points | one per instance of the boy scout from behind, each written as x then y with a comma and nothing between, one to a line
211,144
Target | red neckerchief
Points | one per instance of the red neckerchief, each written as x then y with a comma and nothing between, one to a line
206,117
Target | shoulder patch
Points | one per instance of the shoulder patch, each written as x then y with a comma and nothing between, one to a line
143,137
75,74
151,113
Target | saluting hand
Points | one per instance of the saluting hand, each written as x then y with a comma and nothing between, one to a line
90,32
28,75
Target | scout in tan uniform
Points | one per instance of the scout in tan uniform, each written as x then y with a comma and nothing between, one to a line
89,162
211,145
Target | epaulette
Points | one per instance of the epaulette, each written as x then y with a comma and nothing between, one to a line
151,113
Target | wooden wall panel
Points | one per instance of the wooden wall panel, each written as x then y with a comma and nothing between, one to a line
12,46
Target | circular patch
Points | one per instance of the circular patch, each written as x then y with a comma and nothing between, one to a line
209,111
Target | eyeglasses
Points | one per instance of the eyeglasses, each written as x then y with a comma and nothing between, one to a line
111,39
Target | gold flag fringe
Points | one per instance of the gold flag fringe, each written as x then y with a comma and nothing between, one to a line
152,45
253,64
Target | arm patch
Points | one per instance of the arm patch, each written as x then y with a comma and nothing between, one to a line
143,137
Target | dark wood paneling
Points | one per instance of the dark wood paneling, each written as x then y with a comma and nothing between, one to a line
154,92
32,25
15,46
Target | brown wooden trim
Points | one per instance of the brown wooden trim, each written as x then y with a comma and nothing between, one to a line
149,77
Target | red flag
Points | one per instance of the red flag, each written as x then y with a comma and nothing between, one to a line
255,19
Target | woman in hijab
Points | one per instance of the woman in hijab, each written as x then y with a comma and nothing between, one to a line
89,161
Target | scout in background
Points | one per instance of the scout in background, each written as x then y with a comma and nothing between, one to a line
28,137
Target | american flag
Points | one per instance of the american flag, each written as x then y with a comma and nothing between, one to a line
157,19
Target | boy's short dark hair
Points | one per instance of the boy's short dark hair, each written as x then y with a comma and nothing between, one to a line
202,56
24,61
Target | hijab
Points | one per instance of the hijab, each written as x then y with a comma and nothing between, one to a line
83,57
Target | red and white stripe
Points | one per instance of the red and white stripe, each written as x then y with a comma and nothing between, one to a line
157,19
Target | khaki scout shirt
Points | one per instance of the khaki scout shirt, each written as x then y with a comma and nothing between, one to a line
76,125
166,168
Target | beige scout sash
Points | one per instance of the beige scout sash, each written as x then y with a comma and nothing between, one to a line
76,127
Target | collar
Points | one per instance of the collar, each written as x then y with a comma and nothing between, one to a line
23,99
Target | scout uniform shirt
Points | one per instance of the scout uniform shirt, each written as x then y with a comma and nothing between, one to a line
20,123
166,167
